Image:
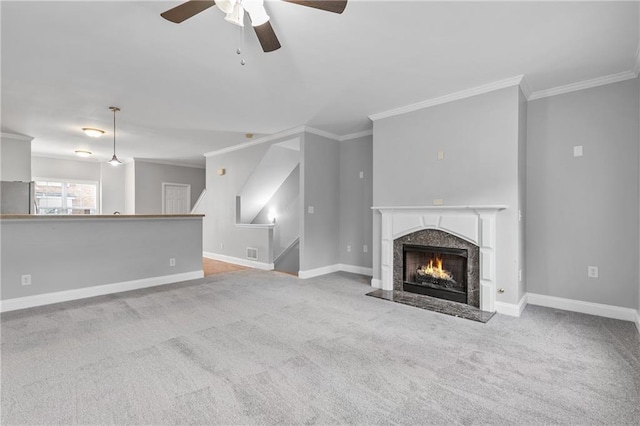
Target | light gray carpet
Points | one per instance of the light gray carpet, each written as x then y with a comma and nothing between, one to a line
253,347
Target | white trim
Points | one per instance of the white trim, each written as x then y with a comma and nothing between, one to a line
83,293
581,85
198,201
164,189
322,133
525,87
483,207
264,139
170,163
638,320
636,68
463,94
514,310
356,269
238,261
256,225
311,273
70,157
356,135
599,309
376,283
17,137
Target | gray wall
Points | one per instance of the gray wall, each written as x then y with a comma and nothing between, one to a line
95,252
111,179
320,171
130,188
221,235
479,137
112,188
583,211
149,178
15,158
286,204
356,198
45,167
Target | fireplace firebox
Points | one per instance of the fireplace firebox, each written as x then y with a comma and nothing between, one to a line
435,271
436,263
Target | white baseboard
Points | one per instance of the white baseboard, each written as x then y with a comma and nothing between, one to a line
99,290
376,283
511,309
356,269
239,261
601,310
311,273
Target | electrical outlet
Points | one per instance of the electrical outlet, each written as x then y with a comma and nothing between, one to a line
365,248
592,271
440,155
26,279
361,175
520,275
310,209
221,245
349,249
577,151
172,261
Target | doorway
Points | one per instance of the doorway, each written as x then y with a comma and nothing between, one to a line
176,198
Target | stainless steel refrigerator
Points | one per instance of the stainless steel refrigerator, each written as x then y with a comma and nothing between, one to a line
17,198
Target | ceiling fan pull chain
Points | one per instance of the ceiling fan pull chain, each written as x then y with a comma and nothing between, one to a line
241,47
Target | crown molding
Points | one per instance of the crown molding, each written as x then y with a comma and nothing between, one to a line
16,136
525,87
356,135
463,94
322,133
264,139
581,85
69,157
169,163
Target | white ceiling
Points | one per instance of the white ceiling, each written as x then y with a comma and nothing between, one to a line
183,92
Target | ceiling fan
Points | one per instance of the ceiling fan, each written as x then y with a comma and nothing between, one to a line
235,9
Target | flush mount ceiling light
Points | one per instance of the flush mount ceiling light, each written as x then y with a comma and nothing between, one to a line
114,160
81,153
94,133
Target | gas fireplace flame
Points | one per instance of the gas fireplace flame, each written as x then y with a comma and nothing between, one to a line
436,270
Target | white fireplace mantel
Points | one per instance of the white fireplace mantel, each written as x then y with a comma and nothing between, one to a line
476,224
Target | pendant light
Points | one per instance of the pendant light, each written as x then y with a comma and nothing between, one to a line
114,160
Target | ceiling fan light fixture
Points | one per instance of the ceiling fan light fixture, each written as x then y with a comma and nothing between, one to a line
91,132
237,16
256,11
227,6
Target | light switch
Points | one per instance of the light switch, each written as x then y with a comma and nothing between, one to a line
310,209
440,155
577,151
361,175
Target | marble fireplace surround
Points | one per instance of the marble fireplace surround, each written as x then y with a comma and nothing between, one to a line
475,224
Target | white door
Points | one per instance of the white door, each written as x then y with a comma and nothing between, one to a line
176,198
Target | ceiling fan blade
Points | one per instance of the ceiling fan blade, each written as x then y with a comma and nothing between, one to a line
267,37
187,10
335,6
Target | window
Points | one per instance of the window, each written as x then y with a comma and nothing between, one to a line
66,197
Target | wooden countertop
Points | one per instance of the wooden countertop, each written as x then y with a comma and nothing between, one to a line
100,216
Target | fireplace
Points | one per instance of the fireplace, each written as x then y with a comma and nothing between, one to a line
439,264
435,271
